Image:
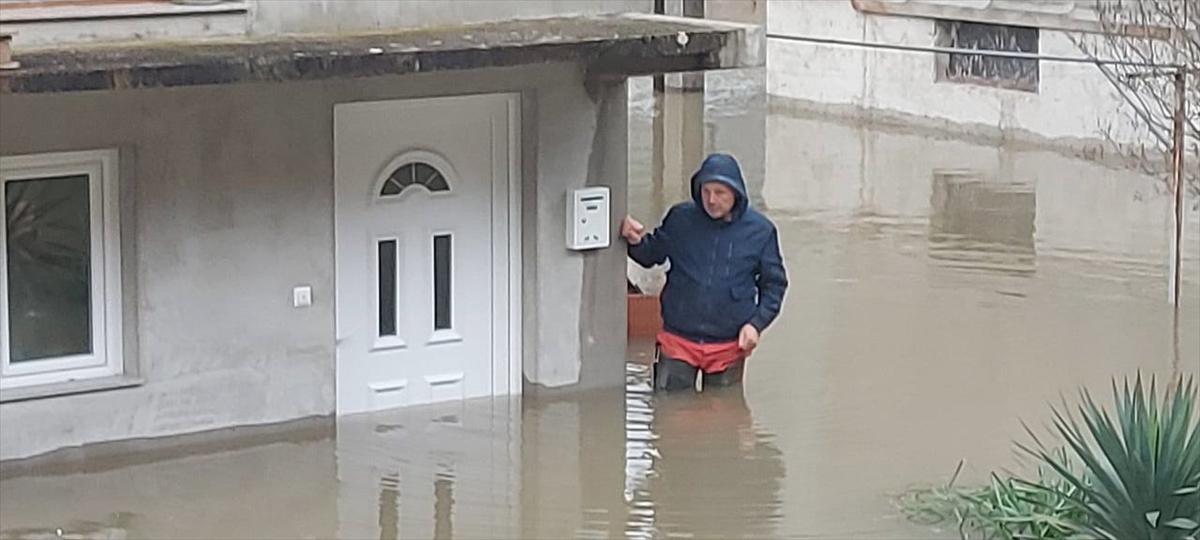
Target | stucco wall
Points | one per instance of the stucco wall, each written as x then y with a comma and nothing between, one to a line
234,207
1074,101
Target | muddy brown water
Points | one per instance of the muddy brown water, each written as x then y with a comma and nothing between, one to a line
942,293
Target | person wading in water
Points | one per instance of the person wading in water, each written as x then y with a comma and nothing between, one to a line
726,282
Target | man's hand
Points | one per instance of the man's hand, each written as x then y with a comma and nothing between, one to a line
748,338
632,230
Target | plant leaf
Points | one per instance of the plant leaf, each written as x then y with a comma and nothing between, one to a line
1110,466
1182,523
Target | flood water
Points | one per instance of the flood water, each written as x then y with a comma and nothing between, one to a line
942,293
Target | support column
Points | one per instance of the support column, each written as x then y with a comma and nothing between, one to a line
679,122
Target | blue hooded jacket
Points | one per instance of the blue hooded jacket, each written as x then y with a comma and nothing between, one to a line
724,273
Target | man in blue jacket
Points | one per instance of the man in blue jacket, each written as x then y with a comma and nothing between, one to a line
726,281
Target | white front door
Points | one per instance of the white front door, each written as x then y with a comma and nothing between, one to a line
423,237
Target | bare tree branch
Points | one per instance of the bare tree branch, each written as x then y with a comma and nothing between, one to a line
1152,32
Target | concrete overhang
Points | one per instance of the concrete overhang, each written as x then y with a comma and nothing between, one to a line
608,46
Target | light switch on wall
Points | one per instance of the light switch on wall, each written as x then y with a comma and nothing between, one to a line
302,296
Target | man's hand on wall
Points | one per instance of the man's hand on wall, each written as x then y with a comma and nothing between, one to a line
748,338
632,230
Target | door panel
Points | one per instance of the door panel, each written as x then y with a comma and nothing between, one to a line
416,183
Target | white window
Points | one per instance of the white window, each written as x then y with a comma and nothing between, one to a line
60,276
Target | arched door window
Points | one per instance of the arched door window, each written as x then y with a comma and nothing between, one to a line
414,174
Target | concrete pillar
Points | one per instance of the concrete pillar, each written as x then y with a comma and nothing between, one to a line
575,300
602,324
681,142
679,123
690,123
736,103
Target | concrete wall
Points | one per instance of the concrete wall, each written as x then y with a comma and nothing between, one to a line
339,16
580,142
55,32
265,17
234,207
1075,102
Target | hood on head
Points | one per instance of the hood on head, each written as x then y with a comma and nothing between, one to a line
725,169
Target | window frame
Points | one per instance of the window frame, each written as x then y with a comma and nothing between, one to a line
106,358
395,340
943,61
414,157
438,336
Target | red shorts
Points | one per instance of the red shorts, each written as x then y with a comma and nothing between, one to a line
709,357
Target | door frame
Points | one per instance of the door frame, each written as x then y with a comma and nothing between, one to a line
507,286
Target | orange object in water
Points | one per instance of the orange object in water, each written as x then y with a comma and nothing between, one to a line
645,315
709,357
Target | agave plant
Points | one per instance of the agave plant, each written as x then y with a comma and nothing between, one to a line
1130,476
1140,468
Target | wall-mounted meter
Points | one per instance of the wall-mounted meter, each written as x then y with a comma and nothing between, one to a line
587,218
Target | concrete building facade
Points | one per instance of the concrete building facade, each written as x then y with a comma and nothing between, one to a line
1067,104
316,209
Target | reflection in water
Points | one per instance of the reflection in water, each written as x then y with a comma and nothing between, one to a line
577,467
443,507
389,507
278,490
113,528
943,292
415,478
697,466
974,224
714,458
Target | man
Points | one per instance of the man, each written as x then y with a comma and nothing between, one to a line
726,281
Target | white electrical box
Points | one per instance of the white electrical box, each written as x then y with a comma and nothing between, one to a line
587,218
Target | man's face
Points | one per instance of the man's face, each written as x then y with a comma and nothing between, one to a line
718,199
